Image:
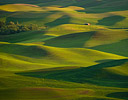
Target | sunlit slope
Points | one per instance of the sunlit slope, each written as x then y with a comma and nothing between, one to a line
16,7
72,28
57,16
92,5
39,56
111,74
46,15
12,63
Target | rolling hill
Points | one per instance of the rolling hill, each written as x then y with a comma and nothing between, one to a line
107,76
65,59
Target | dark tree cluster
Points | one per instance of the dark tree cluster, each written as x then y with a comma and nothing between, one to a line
12,28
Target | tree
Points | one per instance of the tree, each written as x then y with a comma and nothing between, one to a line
2,23
4,30
33,27
11,23
24,28
12,28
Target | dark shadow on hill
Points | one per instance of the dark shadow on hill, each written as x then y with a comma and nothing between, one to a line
119,95
63,20
118,28
88,3
94,98
70,40
103,10
4,13
94,74
24,1
119,48
28,51
109,21
38,36
105,60
108,6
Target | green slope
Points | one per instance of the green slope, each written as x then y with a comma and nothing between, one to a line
46,56
67,60
77,12
70,40
119,48
87,75
107,6
42,89
26,37
88,39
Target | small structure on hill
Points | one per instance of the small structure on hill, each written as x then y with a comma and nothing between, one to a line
87,24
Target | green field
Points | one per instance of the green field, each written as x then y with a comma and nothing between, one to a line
67,60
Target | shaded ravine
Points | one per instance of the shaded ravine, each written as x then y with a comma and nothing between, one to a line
94,74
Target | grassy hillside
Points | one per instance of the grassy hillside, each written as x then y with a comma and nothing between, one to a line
39,56
26,37
88,39
119,48
16,7
75,14
65,59
88,75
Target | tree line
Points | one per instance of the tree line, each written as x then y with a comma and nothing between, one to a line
12,28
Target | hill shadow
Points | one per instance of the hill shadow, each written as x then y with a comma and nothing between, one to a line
120,95
62,20
70,40
119,28
109,21
32,36
108,6
93,98
28,51
94,74
4,13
